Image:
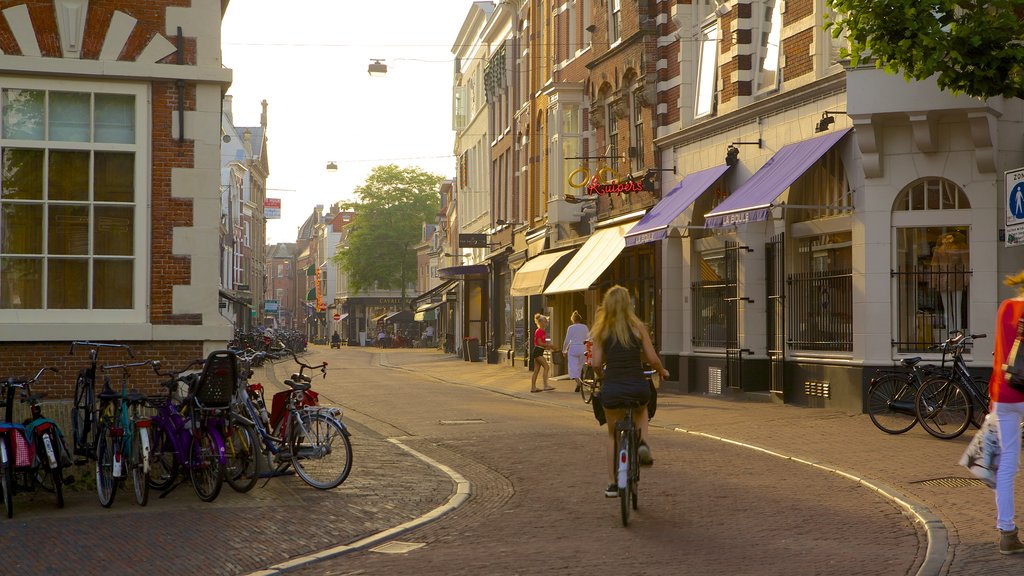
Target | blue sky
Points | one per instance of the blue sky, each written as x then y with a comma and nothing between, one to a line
308,59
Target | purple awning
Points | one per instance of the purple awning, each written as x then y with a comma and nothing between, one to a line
655,224
752,201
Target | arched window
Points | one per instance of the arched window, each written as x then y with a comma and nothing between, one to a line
931,262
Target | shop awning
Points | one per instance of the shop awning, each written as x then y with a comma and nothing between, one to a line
429,295
538,272
427,312
752,201
466,272
400,316
654,226
596,254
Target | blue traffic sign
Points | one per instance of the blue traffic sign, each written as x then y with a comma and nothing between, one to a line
1016,201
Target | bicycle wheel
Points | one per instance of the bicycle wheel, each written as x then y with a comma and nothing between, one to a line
51,479
980,404
82,415
943,408
320,448
137,464
241,454
625,488
6,476
204,466
163,464
587,379
891,403
106,483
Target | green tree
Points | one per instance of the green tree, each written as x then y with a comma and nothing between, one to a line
392,207
973,47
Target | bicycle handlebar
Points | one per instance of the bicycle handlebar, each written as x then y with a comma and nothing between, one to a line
303,365
125,367
100,345
22,382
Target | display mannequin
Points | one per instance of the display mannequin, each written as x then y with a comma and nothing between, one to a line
950,265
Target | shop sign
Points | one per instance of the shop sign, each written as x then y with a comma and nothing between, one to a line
472,240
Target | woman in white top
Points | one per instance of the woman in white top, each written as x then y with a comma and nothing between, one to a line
575,348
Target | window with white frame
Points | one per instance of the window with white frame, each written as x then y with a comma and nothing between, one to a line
73,199
638,129
612,130
770,28
569,138
707,71
614,21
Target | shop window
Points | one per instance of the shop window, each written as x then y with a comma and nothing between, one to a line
931,268
821,294
714,299
72,206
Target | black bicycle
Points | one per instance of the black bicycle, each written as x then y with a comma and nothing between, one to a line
83,411
947,404
892,394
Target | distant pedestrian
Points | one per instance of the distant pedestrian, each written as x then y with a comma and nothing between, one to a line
620,345
381,337
575,348
1008,410
540,344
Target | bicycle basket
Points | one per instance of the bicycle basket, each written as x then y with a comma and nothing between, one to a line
217,383
23,451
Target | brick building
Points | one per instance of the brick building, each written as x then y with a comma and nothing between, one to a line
111,199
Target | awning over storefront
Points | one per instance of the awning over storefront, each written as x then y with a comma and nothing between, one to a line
435,292
596,254
427,312
654,226
752,201
538,272
400,316
466,272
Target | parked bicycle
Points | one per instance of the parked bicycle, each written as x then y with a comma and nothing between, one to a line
187,429
589,384
32,453
892,394
947,404
83,411
123,440
297,432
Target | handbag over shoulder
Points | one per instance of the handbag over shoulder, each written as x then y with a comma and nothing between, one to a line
1013,370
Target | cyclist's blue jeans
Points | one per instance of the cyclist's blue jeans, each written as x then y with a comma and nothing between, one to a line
1009,416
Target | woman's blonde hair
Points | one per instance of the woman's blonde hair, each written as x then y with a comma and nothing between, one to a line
615,318
1017,281
538,318
576,317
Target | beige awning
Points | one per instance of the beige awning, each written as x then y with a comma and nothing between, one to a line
593,258
534,276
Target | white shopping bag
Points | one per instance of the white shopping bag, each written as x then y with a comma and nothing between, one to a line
982,455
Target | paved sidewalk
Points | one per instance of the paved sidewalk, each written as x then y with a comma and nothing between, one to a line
917,472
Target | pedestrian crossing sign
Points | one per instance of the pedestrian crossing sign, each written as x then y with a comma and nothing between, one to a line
1015,207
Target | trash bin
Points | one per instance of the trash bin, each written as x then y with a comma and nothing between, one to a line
471,349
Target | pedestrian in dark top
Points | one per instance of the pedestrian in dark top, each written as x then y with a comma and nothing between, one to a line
620,346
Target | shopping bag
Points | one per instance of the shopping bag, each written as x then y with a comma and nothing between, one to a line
982,455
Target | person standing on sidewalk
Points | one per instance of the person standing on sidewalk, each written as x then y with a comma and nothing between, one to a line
540,344
620,345
575,348
1008,410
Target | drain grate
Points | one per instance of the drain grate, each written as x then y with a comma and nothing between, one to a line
397,547
465,421
951,482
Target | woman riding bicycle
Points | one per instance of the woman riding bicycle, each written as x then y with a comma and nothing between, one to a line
620,347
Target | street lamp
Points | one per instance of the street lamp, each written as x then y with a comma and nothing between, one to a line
332,166
377,67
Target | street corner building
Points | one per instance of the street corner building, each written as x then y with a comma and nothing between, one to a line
110,139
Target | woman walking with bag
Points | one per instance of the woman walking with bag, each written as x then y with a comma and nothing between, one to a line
575,348
1008,410
620,346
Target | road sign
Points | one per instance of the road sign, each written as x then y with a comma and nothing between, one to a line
323,306
1015,207
336,317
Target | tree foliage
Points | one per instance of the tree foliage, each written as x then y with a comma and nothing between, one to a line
392,207
973,47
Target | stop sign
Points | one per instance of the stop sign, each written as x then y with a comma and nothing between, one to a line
336,316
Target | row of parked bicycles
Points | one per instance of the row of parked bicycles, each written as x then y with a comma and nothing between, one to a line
212,426
945,399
